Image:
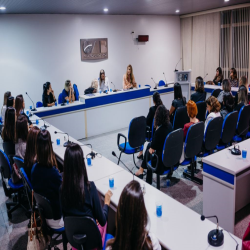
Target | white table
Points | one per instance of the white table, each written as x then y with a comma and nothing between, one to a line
226,185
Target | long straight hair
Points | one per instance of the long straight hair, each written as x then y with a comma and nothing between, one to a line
131,221
8,132
131,73
74,178
178,91
22,128
44,150
19,104
242,95
100,79
6,96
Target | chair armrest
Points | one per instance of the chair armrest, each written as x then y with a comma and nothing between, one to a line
151,166
118,142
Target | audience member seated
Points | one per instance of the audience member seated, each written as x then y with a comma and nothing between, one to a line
242,98
45,177
233,78
103,83
22,129
150,117
11,102
179,100
6,96
213,108
68,92
243,81
226,90
48,95
129,79
80,197
227,105
199,95
30,154
218,77
163,128
132,222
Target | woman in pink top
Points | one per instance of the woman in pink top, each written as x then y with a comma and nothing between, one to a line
129,79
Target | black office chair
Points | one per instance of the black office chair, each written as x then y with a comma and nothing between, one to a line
136,138
180,118
216,92
171,154
201,106
228,130
46,212
192,148
242,127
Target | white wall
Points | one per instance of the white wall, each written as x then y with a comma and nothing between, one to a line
39,48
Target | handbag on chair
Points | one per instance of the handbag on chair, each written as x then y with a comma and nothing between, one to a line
246,239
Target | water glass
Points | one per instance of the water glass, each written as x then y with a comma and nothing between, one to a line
89,161
58,141
30,107
111,182
158,209
55,103
244,153
110,90
27,112
100,91
139,86
204,83
219,84
67,102
37,121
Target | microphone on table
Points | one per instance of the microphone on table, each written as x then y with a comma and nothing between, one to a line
166,85
92,154
177,65
67,143
34,109
215,237
114,86
205,77
154,83
44,127
131,171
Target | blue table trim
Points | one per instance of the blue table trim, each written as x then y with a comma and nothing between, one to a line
218,173
211,90
161,91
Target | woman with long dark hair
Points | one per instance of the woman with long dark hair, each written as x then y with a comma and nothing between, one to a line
163,128
103,83
233,79
8,133
22,129
218,77
30,154
79,196
45,177
49,98
129,78
199,95
20,106
11,102
3,110
132,223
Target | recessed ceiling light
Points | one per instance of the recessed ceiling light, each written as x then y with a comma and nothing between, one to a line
226,0
105,10
177,11
2,8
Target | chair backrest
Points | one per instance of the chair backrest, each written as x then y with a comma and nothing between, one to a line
212,133
229,127
76,92
9,148
161,83
82,227
201,106
136,132
243,120
194,139
19,162
180,118
25,179
216,92
5,165
172,149
60,98
39,104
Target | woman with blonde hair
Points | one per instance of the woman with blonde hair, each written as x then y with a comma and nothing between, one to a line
129,79
68,93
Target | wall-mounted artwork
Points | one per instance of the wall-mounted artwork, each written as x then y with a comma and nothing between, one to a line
94,49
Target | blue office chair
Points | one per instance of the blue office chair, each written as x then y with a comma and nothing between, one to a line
216,92
147,85
180,118
192,147
39,104
242,127
201,106
60,100
76,92
161,83
171,154
136,138
228,130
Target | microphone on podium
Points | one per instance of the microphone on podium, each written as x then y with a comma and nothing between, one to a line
166,85
177,65
154,83
34,108
67,143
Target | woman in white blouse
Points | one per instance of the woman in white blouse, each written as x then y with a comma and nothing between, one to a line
103,81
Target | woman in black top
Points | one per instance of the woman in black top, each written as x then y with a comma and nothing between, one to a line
163,128
79,196
218,77
200,94
48,95
179,100
242,98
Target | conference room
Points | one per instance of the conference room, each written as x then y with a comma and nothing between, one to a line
125,125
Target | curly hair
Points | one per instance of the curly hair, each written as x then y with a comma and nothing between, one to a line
192,109
214,104
161,116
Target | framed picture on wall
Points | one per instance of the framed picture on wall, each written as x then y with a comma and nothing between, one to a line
94,49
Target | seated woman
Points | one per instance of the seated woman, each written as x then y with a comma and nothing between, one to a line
163,128
103,82
48,95
218,77
213,108
227,106
45,177
132,222
6,96
179,100
233,79
129,79
226,90
11,102
242,98
68,92
200,94
80,197
150,117
22,129
243,81
30,154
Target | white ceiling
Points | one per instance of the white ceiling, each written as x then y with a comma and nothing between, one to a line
116,7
